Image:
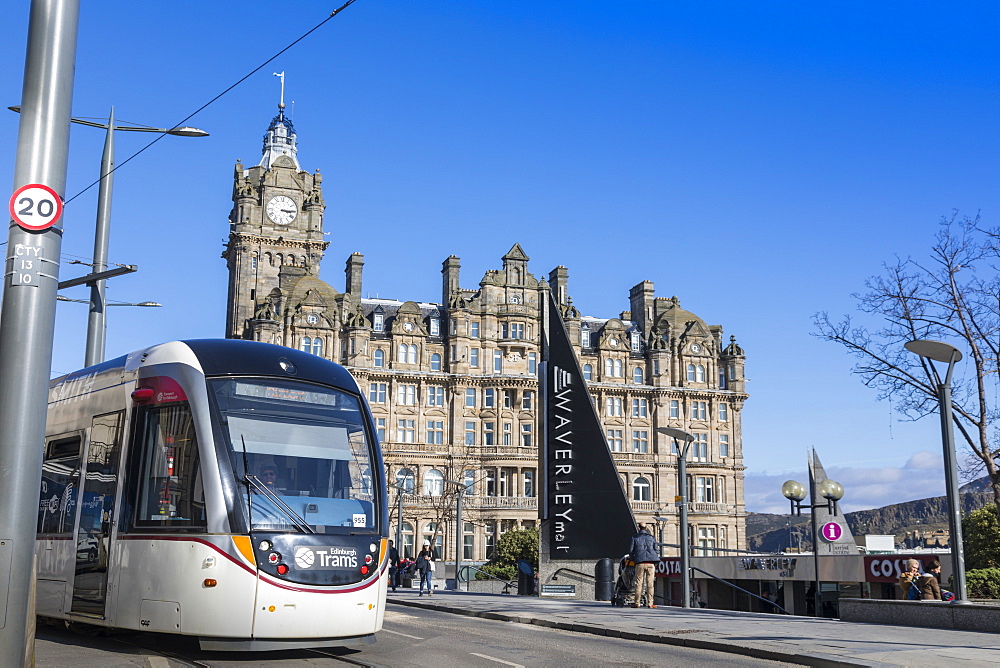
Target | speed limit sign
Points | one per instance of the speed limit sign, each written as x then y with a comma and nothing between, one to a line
35,207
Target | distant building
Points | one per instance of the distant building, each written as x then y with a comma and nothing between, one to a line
454,387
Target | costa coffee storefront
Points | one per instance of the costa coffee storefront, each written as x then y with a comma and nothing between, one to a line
788,580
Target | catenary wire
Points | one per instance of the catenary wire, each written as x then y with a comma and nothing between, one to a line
204,106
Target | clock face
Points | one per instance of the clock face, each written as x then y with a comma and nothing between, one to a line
695,348
515,300
408,326
282,210
613,341
312,319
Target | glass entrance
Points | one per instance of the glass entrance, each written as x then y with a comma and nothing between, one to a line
97,504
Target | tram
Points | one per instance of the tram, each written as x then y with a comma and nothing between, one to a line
229,490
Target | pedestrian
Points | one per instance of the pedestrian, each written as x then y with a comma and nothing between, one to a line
909,580
935,570
393,566
643,553
425,566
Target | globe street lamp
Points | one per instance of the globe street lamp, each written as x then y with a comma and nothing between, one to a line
96,323
949,354
682,452
796,493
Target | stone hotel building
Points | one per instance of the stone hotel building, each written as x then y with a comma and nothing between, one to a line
453,384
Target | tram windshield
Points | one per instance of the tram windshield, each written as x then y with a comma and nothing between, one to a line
304,452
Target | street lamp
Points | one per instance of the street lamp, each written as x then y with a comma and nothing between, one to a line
60,298
96,325
796,493
459,533
682,453
949,354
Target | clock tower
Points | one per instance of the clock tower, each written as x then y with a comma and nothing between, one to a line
275,233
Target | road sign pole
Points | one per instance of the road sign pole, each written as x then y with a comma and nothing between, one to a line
29,306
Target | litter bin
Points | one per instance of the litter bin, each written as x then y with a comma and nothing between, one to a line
604,579
525,578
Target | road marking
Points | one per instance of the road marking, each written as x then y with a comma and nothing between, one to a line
405,635
493,658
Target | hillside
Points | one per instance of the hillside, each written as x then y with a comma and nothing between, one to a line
770,533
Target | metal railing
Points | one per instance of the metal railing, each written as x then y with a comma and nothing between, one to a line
749,593
507,584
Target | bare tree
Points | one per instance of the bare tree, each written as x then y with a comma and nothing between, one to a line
953,295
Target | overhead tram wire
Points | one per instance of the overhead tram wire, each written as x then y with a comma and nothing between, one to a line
184,120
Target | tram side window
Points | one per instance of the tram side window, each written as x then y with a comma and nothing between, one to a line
60,485
170,490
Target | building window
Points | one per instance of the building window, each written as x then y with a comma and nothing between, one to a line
469,481
378,322
732,373
406,431
380,429
526,400
690,373
722,379
435,432
588,372
507,433
640,441
406,395
613,368
517,330
504,488
508,398
532,363
474,358
699,374
489,536
613,406
407,354
433,535
489,433
656,367
470,397
378,359
699,410
435,362
404,479
675,408
305,345
435,395
526,434
435,327
317,346
406,550
640,489
376,393
497,361
640,408
585,336
706,541
704,491
474,330
615,440
470,433
489,398
723,412
723,445
636,342
637,376
468,541
491,482
433,483
699,448
528,475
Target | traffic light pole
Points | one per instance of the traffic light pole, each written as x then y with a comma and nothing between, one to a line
29,306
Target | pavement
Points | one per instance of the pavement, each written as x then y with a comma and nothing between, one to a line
798,640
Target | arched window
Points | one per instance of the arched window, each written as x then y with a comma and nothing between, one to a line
306,344
640,489
317,346
281,259
269,259
404,479
691,373
619,368
401,353
435,362
433,483
588,372
637,376
411,354
407,548
700,374
609,367
379,358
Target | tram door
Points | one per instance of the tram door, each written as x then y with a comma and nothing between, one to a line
97,503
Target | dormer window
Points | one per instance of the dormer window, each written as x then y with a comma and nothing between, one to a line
636,342
435,326
378,321
584,336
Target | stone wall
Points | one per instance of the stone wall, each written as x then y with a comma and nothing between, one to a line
930,614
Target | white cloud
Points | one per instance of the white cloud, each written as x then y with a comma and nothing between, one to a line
921,476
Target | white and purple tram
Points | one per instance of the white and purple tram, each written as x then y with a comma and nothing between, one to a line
229,490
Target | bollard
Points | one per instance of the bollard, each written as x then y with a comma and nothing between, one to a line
604,579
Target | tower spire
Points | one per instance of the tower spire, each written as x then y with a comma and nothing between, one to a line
280,137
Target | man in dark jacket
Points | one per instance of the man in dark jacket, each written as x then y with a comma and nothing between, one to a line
643,552
393,566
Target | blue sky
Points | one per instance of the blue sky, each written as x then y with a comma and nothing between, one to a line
759,160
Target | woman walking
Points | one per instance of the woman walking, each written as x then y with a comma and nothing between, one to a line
425,566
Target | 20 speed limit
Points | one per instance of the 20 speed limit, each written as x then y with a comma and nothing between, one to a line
35,206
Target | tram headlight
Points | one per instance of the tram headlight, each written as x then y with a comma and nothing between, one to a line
372,547
274,558
264,545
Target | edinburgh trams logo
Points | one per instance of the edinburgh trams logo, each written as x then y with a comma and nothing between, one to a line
325,558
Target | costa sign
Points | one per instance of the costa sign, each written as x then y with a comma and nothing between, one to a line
889,568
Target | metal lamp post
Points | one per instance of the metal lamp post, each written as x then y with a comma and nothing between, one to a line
682,453
459,533
400,490
661,521
96,323
949,354
796,493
